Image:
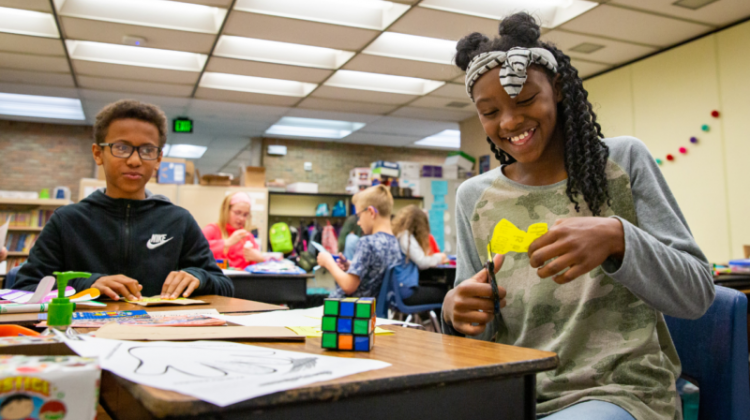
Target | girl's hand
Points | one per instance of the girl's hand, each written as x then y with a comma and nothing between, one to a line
471,302
579,243
444,259
252,255
235,237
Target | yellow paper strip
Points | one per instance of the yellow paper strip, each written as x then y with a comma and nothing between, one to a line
316,332
506,237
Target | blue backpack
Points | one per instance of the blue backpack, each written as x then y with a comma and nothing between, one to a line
404,277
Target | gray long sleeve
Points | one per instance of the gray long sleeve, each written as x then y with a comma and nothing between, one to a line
663,264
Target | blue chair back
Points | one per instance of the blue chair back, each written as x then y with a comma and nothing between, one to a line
714,352
10,278
389,295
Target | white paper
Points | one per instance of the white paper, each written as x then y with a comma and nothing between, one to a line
218,372
310,317
162,314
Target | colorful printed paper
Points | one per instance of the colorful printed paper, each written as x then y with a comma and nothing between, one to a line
506,237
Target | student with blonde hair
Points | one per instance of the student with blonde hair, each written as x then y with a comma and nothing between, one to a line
376,251
230,239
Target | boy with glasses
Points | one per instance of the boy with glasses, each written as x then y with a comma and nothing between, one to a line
134,243
377,250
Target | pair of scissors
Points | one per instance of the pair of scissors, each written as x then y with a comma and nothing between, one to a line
490,267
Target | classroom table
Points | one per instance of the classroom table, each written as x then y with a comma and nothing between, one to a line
270,288
225,305
432,376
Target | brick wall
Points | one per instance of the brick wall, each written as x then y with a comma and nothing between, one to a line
35,156
332,161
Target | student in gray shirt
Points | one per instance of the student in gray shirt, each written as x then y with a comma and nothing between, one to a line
618,253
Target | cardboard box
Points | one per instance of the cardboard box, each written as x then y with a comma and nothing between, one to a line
171,173
384,164
189,172
303,187
410,169
353,189
450,172
432,171
253,176
461,159
361,174
219,180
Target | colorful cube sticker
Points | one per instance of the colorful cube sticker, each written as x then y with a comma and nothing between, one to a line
344,325
346,342
329,340
365,309
364,342
329,323
347,307
362,326
331,307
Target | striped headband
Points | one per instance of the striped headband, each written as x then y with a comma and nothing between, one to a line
513,64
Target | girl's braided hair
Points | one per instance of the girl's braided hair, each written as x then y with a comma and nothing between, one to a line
585,154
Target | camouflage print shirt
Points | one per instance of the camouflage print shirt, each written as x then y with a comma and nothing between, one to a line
606,326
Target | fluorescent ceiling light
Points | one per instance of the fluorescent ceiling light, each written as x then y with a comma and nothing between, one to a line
382,82
369,14
280,52
551,12
27,22
185,151
256,84
450,139
135,56
153,13
41,106
412,47
313,127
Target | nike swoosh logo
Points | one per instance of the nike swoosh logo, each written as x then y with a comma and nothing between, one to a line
152,245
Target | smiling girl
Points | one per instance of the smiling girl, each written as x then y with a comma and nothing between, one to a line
618,253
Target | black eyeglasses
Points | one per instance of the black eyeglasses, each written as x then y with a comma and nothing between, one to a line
358,214
124,150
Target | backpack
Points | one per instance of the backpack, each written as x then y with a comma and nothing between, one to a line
322,210
329,240
339,210
406,275
280,238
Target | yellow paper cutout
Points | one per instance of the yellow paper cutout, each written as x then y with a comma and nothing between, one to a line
316,331
506,237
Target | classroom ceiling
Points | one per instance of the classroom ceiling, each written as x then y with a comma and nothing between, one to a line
237,66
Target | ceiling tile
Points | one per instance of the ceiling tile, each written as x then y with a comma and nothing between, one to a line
36,77
444,25
380,139
586,69
442,103
358,95
245,97
119,71
112,33
38,5
614,52
350,115
407,127
346,106
134,86
231,110
229,144
399,67
34,62
630,25
432,114
460,79
297,31
31,45
269,70
28,89
451,90
719,13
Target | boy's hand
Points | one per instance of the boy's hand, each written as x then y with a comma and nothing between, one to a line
119,285
471,302
343,263
579,243
325,259
176,282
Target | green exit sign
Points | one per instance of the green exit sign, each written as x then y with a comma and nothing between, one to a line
183,125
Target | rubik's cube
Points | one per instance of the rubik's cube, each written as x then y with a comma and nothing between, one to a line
349,324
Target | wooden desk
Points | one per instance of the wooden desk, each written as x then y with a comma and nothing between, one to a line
220,303
270,288
432,376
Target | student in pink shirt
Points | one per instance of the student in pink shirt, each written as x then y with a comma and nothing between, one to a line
230,238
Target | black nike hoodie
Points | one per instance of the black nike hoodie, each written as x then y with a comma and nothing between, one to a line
142,239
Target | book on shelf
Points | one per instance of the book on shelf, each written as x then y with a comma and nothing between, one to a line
28,218
14,262
20,242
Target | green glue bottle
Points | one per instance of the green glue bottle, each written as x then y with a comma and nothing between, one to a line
60,313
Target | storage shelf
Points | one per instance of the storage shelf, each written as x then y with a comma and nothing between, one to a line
38,202
24,229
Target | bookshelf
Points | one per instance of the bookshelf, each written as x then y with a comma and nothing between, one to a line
27,219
